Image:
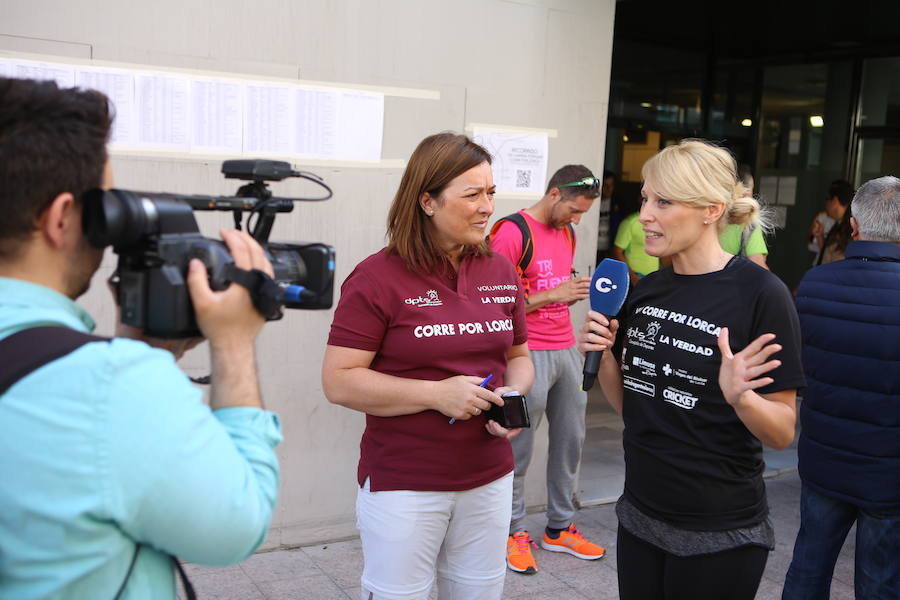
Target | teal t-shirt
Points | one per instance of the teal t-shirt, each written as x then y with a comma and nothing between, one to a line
112,445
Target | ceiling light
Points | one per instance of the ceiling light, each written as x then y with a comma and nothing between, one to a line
816,121
646,104
747,123
624,138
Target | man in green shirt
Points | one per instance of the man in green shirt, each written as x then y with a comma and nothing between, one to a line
629,248
755,248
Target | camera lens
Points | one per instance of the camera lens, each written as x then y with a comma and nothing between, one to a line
115,217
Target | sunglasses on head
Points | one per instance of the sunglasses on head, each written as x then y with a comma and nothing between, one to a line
591,183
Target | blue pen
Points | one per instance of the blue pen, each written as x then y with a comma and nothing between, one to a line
484,383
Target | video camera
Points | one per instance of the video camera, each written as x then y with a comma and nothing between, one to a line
156,236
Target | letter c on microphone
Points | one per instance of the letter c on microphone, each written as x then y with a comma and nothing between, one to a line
604,285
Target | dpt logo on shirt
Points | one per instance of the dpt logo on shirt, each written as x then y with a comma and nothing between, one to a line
644,339
431,299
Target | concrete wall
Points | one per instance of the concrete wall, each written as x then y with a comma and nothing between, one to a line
524,63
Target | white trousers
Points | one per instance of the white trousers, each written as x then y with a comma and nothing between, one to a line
407,536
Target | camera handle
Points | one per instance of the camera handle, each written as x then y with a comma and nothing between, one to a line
264,292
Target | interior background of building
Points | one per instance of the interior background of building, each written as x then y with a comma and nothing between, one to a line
809,90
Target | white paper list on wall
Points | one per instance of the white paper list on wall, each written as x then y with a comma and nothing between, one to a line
268,119
361,115
315,131
63,75
119,88
186,113
217,109
163,109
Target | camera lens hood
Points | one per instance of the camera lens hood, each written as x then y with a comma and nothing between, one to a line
115,217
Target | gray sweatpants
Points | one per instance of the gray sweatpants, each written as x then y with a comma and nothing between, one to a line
556,392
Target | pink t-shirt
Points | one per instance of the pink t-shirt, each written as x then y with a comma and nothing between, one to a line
431,327
549,327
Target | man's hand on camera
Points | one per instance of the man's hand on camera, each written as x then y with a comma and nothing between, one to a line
228,317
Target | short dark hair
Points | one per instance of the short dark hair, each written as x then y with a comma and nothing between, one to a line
842,190
52,141
570,174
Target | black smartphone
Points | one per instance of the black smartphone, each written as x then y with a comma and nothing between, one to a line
513,414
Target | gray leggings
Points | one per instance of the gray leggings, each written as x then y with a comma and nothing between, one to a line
556,392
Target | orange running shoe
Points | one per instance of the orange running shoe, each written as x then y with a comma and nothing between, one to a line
518,553
572,541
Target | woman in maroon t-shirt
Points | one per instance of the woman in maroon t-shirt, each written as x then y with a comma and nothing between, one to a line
420,327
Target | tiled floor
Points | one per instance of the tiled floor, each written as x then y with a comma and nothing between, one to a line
332,571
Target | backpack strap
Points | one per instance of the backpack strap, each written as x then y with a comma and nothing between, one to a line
528,244
30,349
527,239
527,247
570,235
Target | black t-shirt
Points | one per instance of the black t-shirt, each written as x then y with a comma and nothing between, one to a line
689,459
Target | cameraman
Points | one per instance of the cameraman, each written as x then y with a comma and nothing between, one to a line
109,460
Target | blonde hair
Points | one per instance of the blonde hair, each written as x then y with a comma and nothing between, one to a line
699,173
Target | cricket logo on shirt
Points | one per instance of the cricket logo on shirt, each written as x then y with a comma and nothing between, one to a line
680,398
431,299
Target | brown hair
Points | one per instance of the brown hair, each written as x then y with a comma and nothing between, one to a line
436,161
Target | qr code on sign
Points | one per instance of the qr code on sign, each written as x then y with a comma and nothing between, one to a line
523,178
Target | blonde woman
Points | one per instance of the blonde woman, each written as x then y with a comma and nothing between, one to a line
704,372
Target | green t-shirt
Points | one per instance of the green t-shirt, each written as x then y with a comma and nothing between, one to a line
730,240
630,238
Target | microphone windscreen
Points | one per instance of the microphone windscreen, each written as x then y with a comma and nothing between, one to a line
609,287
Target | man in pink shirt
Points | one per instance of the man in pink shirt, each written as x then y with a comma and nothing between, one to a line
550,287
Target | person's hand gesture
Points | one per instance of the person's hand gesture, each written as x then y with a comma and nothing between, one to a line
740,373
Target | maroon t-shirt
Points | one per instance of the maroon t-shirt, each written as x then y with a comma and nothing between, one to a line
432,327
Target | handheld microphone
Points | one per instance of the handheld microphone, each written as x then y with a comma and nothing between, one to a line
609,286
